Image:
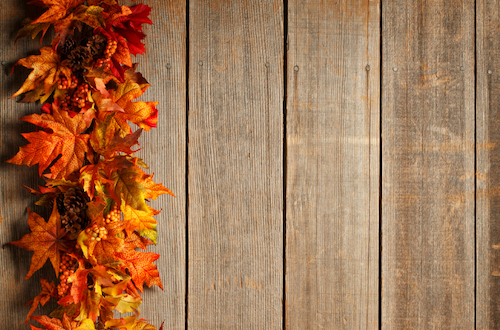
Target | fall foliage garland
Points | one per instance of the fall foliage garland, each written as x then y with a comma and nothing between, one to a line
95,186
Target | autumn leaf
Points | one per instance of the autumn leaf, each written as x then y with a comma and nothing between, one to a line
108,139
152,189
45,239
47,67
125,185
32,29
65,324
143,114
65,139
141,267
48,291
58,9
139,220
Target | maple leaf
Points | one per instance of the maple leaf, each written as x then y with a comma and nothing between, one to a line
143,114
139,220
65,324
30,29
108,139
152,189
45,239
130,27
47,67
129,323
133,241
141,267
48,291
125,184
66,139
58,9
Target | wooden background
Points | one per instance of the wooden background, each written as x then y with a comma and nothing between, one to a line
336,164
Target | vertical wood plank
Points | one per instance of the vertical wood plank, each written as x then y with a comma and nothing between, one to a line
333,159
428,165
235,183
14,262
488,165
164,150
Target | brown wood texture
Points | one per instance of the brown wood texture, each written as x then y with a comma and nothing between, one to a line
488,165
333,164
164,150
428,165
235,178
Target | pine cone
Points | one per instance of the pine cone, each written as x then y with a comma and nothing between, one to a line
72,206
68,46
96,46
78,57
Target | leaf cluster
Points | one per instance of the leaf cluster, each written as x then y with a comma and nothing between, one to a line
84,145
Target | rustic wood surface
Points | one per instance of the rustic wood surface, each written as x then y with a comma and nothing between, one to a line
333,159
242,153
235,167
164,150
14,262
428,165
488,165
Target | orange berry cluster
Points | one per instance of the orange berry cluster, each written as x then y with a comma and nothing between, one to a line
78,99
108,53
63,83
114,215
97,233
68,266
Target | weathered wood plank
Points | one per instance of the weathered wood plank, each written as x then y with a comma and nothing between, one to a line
14,262
235,184
333,160
428,165
488,165
164,150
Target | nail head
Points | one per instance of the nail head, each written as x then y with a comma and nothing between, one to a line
368,68
296,68
200,63
3,62
267,65
168,66
490,72
462,68
394,69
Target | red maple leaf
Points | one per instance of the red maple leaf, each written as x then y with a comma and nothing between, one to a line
45,239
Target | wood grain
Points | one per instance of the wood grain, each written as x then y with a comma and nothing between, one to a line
164,150
235,178
488,165
428,165
333,164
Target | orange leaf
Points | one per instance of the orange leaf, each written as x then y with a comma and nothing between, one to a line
65,140
58,9
45,240
141,267
46,69
143,114
139,220
48,291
